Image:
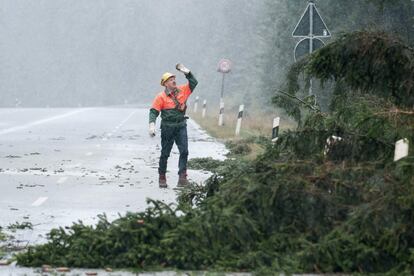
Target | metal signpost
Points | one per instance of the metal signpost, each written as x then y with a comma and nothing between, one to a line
224,67
310,28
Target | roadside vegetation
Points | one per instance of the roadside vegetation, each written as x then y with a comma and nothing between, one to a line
255,123
20,226
255,133
300,206
8,242
3,238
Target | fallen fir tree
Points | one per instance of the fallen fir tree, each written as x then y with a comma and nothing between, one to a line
302,206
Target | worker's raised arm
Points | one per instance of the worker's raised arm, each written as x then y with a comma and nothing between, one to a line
192,81
189,76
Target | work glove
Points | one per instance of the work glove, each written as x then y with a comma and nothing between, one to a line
180,67
151,129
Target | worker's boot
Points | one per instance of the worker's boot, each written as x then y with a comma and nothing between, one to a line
162,181
182,180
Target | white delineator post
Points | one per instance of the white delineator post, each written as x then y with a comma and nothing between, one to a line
204,109
239,119
221,114
275,129
330,141
196,104
401,149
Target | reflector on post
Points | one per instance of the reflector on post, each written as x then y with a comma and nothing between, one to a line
401,149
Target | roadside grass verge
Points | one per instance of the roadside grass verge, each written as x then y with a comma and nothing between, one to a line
3,238
255,123
255,133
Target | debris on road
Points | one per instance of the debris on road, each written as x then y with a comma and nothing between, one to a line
12,156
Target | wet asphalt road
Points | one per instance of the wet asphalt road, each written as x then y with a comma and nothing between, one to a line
58,166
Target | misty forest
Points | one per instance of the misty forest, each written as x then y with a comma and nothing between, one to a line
328,195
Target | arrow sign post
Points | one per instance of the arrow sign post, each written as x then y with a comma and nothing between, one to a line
310,27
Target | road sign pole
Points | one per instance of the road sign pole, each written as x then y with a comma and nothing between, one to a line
311,4
310,87
224,68
222,86
221,112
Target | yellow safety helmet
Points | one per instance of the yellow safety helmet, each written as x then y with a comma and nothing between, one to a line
165,77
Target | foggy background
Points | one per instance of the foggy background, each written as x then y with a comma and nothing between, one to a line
109,52
106,52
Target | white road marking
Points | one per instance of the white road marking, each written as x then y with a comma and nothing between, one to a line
127,118
98,145
62,180
105,138
74,173
39,201
43,121
89,153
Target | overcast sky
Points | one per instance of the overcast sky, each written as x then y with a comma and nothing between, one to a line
86,52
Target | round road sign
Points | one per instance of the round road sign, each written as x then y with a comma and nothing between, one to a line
303,47
224,66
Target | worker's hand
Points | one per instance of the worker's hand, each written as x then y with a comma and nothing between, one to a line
151,129
180,67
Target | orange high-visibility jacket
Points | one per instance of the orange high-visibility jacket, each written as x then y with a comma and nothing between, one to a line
165,104
163,101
